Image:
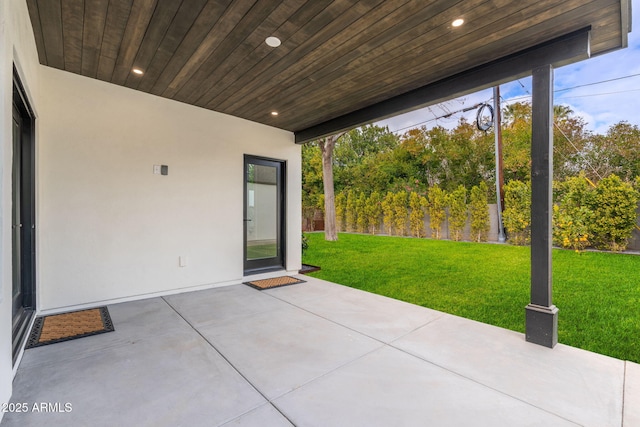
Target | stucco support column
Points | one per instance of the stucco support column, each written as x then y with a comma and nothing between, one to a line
541,314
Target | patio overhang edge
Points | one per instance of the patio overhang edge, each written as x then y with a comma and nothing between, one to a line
561,51
626,21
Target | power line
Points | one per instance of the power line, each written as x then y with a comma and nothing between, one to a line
449,114
600,82
598,94
444,116
518,98
568,139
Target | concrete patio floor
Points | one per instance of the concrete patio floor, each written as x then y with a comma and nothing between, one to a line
315,354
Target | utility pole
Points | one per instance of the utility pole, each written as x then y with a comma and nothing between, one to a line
497,130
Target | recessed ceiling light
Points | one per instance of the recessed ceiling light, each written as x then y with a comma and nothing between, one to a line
273,41
274,113
138,71
457,22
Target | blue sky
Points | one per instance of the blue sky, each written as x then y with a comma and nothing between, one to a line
600,105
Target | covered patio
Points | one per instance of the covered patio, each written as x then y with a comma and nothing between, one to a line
316,354
134,136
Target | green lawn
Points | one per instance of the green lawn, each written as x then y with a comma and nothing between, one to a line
598,294
266,250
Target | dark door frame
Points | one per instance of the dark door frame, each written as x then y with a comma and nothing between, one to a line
279,262
23,114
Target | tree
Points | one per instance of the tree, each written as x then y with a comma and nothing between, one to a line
356,153
388,213
616,152
479,210
351,215
312,190
457,202
361,217
327,145
437,204
373,210
341,211
417,204
400,212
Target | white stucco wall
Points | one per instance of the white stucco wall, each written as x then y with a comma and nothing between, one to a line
110,228
16,46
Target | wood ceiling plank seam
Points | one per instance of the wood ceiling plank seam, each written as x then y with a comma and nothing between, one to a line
218,33
420,36
251,51
36,24
51,18
118,14
95,18
182,24
290,31
141,13
338,50
159,24
245,87
246,33
328,72
201,28
72,29
405,71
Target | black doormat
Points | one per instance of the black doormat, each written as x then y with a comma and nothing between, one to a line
308,268
274,282
68,326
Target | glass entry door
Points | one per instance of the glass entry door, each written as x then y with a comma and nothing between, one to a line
264,207
23,222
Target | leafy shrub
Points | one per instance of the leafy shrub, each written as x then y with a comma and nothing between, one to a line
400,212
517,212
458,212
479,210
572,216
373,210
437,204
388,213
614,207
417,204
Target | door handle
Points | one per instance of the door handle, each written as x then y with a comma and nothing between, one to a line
247,220
16,226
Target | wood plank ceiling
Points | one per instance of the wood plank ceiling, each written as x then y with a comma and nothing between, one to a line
336,56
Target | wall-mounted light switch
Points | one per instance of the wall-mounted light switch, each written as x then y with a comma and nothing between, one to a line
182,261
156,169
164,170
